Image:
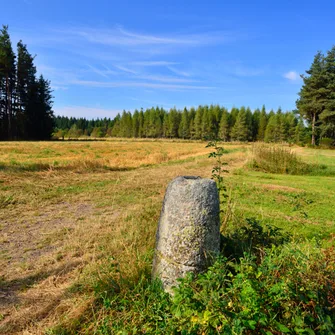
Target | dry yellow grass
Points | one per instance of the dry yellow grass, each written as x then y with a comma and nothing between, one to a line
67,226
82,155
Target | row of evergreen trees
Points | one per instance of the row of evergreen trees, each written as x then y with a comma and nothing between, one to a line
316,102
238,124
25,100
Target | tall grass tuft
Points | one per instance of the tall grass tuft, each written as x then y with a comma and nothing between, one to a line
276,159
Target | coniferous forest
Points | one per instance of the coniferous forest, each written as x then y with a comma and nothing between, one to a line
238,124
25,99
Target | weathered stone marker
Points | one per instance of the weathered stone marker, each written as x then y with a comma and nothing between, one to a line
188,234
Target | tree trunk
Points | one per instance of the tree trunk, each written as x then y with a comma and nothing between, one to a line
313,129
9,109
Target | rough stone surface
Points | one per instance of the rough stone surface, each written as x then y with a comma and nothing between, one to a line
188,234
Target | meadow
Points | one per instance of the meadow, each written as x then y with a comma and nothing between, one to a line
78,222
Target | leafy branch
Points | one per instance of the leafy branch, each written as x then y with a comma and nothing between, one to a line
218,169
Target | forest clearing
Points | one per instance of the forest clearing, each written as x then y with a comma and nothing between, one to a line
167,168
78,222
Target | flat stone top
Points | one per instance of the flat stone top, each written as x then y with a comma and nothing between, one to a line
190,177
191,180
188,187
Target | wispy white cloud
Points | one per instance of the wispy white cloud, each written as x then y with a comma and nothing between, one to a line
125,69
178,72
122,37
119,58
153,63
90,83
104,73
84,111
136,75
292,75
60,78
165,79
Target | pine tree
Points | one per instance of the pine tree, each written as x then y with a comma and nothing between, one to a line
215,118
262,124
300,132
153,123
192,122
44,109
282,126
140,124
7,84
174,120
198,123
248,118
272,132
313,94
26,78
126,124
25,101
224,130
166,125
157,123
233,116
255,124
206,123
116,128
327,116
146,123
136,123
240,130
184,126
38,114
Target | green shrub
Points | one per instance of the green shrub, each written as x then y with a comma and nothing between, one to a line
326,142
291,291
276,159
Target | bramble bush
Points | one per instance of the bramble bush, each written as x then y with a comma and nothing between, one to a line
291,291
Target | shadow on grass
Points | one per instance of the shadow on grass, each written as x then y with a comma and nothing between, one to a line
10,300
251,238
40,167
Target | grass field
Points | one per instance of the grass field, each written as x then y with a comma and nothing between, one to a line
76,217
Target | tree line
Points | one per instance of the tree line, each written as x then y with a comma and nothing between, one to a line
316,102
214,121
25,99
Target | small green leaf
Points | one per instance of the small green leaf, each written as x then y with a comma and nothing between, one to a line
252,324
282,328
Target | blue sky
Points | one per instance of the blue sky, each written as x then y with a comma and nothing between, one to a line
105,56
